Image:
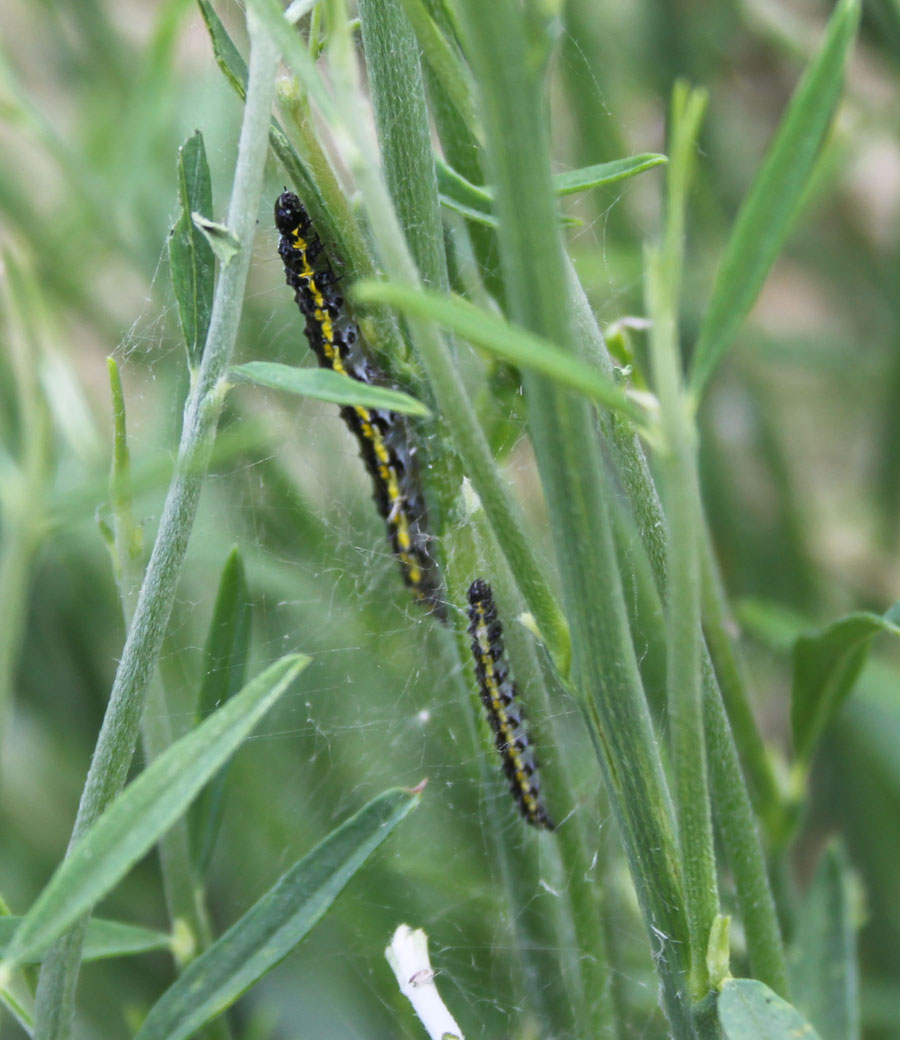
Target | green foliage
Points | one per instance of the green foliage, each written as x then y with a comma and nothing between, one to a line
515,345
826,666
499,210
190,254
775,195
103,939
144,811
268,932
476,202
326,386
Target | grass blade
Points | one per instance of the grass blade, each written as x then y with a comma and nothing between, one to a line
497,336
144,811
775,196
275,924
327,386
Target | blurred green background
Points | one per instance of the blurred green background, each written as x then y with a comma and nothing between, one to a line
800,462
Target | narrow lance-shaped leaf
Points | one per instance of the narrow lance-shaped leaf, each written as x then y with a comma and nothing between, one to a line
824,974
749,1010
143,811
477,202
326,386
583,179
224,668
478,216
506,341
827,664
775,196
104,939
190,257
275,924
227,56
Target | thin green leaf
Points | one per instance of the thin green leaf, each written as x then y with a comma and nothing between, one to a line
488,220
477,216
105,939
134,821
224,669
587,177
327,386
749,1010
191,259
225,657
227,56
827,664
775,196
824,976
479,199
492,333
275,924
459,189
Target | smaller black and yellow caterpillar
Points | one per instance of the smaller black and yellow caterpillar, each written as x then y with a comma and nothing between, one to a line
384,437
503,707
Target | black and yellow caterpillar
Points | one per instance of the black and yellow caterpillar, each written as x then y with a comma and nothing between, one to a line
503,706
384,437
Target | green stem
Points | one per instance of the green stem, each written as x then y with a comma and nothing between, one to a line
404,132
445,63
184,893
683,678
119,732
731,672
737,824
731,800
679,468
506,56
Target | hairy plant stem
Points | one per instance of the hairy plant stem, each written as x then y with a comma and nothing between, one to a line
505,48
731,670
184,891
119,732
733,808
681,482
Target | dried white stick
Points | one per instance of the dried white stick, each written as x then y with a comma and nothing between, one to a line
408,956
